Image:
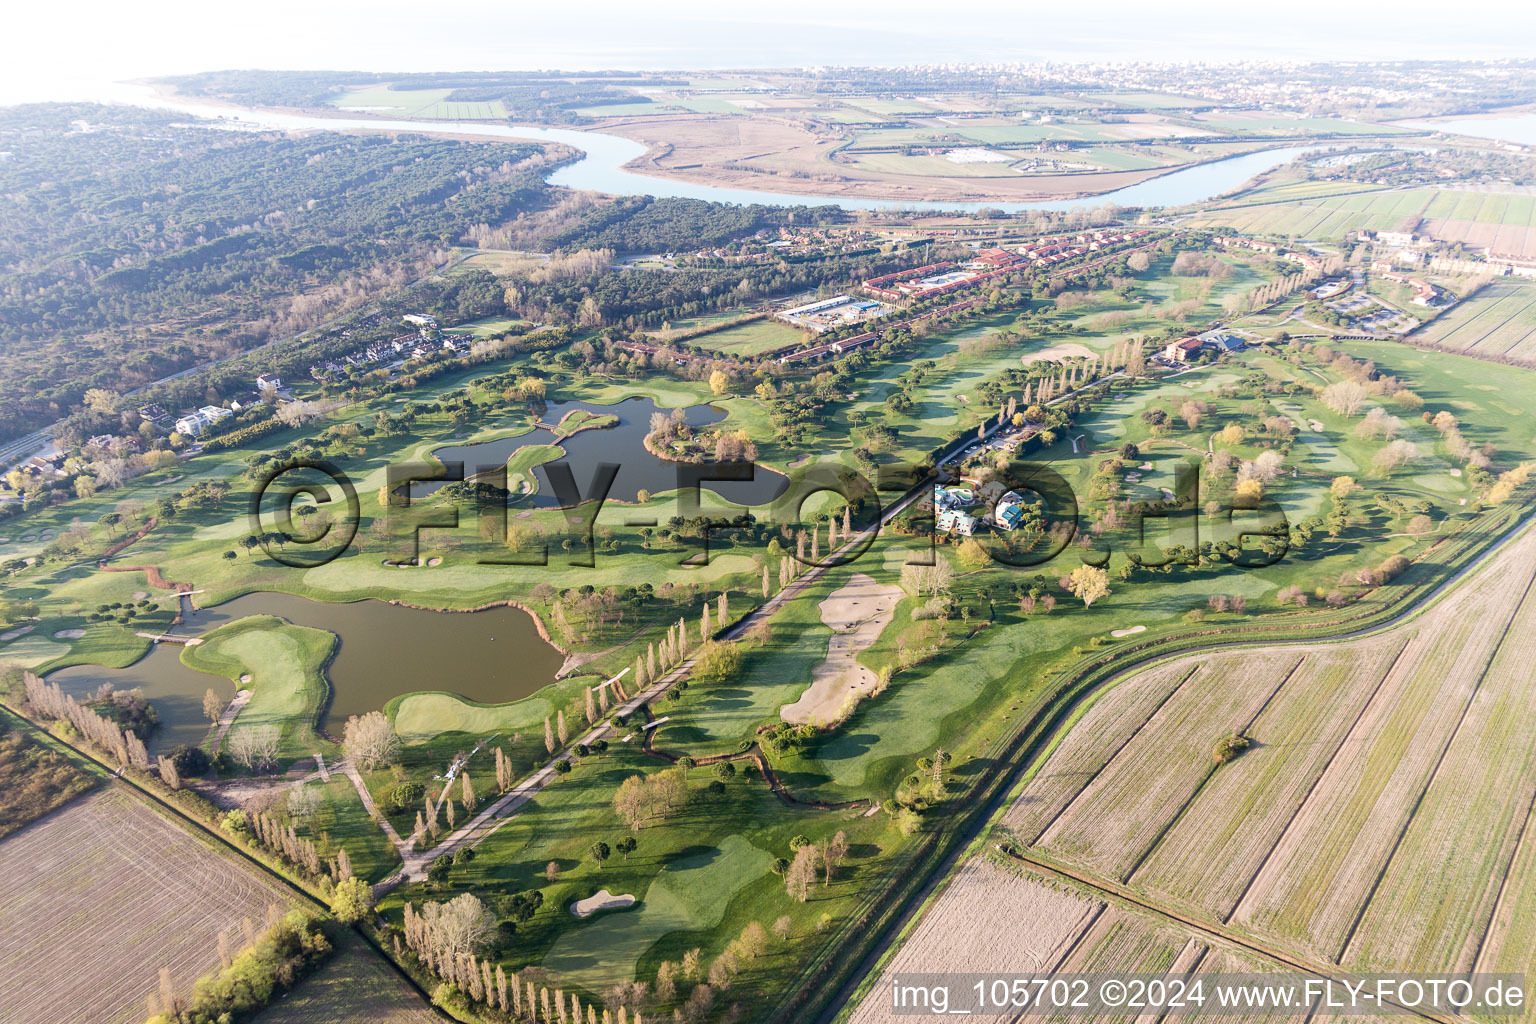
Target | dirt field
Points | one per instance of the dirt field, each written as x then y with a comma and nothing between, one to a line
988,919
117,892
856,613
1380,818
781,154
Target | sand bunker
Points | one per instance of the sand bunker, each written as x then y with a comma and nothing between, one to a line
13,634
139,595
69,634
857,612
1070,350
601,900
1127,632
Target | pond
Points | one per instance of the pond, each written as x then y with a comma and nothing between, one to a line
623,443
492,656
175,691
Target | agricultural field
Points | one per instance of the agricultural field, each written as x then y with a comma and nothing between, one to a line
1369,822
99,885
974,926
1502,222
1498,322
354,985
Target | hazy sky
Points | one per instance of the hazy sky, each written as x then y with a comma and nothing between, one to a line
91,40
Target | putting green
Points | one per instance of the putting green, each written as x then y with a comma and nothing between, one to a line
421,716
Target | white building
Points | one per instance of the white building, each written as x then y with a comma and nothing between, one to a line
195,423
953,519
269,382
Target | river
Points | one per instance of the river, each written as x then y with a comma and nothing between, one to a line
601,168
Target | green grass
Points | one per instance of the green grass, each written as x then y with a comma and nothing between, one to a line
700,876
691,893
750,338
401,102
286,665
486,326
1270,124
426,716
583,419
1152,100
344,821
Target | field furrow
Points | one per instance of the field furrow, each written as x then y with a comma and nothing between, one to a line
1143,788
989,919
1089,744
1121,943
1433,903
118,892
1311,889
1209,857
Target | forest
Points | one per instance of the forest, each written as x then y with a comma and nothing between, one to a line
526,95
133,245
650,224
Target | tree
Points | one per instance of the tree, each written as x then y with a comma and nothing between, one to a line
934,579
600,852
718,661
1342,487
626,846
352,901
719,383
972,555
551,871
303,802
370,741
1393,455
549,736
255,747
753,941
802,873
168,773
781,928
1088,584
1344,397
189,761
725,771
462,925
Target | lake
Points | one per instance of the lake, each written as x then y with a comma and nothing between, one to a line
623,444
492,656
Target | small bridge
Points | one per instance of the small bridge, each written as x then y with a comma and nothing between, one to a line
171,638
